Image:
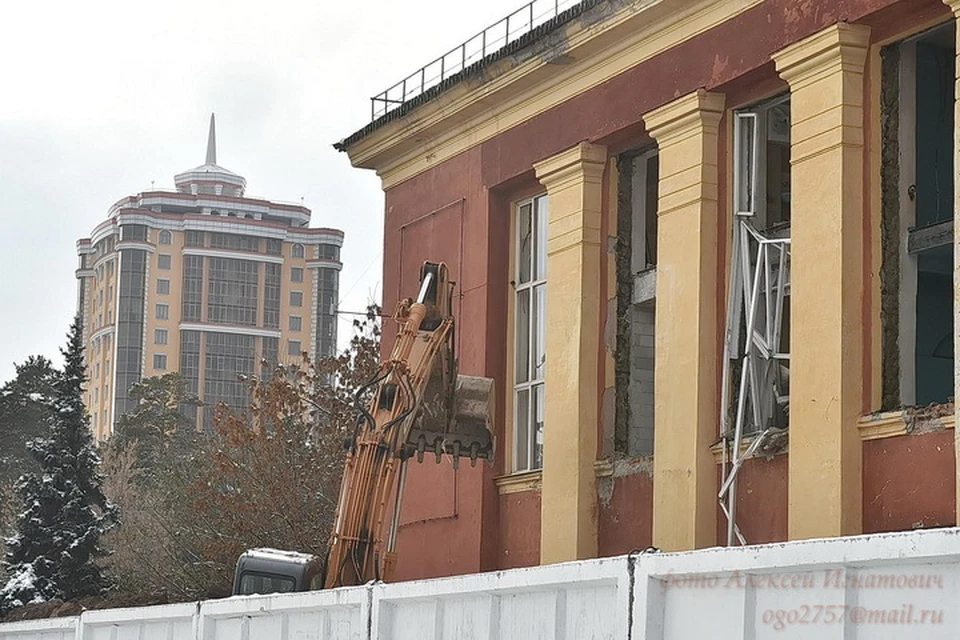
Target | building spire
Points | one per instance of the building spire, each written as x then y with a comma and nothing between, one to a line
212,142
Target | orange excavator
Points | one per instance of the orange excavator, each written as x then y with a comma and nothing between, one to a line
418,405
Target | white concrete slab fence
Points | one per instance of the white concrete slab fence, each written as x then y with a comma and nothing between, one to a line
900,585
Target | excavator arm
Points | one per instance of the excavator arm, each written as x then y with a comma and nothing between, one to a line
417,405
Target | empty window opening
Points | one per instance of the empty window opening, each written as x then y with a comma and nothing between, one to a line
636,258
917,219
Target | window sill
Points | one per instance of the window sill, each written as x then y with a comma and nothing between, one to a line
745,442
645,286
888,424
519,482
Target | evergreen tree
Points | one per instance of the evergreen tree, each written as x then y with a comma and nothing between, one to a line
24,408
157,425
57,536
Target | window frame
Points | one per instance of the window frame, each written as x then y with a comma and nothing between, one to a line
533,385
163,286
290,350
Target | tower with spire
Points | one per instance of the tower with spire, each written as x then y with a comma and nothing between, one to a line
211,178
176,280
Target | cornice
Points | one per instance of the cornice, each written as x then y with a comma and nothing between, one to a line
520,87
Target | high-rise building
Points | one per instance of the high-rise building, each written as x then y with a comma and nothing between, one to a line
205,281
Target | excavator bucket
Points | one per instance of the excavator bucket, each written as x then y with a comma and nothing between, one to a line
463,429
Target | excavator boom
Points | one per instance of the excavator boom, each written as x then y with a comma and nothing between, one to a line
418,405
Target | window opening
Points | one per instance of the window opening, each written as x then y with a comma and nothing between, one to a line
756,363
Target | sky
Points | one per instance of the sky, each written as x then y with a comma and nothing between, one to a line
105,98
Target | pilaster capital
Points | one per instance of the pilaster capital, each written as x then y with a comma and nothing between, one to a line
839,47
582,163
694,112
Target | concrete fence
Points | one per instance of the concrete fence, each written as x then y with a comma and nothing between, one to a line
901,585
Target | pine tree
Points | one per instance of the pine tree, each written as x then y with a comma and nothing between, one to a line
24,407
57,537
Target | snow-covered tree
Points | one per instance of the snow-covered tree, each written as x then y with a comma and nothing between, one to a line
24,407
57,535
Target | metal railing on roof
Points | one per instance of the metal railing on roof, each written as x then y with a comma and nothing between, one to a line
490,40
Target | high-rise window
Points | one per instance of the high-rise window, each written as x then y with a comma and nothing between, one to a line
194,238
228,357
190,367
160,361
234,241
162,311
293,348
271,295
192,288
163,261
159,336
165,237
296,274
163,286
296,323
329,252
530,297
296,298
232,295
274,247
297,251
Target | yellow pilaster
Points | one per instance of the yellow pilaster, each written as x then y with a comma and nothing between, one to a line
685,487
569,495
825,73
955,7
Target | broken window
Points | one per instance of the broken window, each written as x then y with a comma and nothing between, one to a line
917,219
639,174
756,364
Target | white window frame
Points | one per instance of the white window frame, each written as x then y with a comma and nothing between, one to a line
163,283
527,428
156,358
299,323
160,336
165,315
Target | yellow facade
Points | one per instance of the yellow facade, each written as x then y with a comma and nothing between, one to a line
825,72
569,518
684,499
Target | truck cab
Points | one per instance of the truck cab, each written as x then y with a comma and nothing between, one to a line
276,571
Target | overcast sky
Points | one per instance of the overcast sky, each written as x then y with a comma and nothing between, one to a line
103,98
